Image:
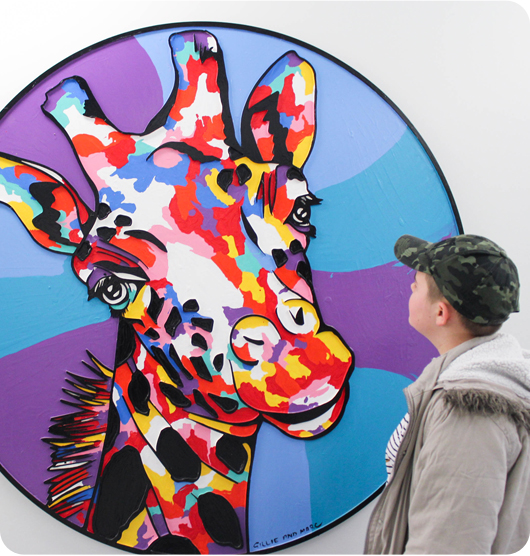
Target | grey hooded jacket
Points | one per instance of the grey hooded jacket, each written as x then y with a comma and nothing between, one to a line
461,480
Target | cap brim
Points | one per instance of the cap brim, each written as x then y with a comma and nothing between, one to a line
410,251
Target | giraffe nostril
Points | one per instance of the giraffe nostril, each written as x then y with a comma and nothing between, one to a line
299,317
224,179
243,173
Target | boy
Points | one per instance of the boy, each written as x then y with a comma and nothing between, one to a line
459,477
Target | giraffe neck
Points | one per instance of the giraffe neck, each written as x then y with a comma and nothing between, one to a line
190,471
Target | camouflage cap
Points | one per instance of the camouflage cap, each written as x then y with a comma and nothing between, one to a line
474,274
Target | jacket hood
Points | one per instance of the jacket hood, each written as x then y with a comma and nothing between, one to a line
498,361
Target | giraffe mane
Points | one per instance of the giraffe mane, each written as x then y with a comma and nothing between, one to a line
78,443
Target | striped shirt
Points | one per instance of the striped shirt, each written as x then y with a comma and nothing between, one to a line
393,445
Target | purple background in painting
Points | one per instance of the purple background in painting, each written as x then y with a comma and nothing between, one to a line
129,95
370,309
27,404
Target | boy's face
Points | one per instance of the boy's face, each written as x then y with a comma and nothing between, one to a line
422,308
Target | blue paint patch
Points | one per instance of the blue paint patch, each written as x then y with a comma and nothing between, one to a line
361,218
20,255
72,88
115,200
279,502
348,464
123,411
160,54
38,308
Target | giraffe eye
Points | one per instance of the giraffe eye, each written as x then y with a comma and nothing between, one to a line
300,217
114,291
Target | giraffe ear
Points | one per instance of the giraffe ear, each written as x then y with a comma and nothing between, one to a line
278,123
46,204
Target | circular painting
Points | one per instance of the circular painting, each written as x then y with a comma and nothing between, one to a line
204,334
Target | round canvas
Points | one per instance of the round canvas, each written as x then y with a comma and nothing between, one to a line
204,334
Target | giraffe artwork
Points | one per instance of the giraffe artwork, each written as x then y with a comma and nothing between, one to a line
195,239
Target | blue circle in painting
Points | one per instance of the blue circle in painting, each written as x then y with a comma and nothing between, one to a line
377,180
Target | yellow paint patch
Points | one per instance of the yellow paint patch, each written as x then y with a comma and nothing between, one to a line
105,370
335,345
294,368
136,309
163,484
309,77
25,214
215,425
6,163
257,170
250,284
232,249
302,151
211,181
130,536
220,482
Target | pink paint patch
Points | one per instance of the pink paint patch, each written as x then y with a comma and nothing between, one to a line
166,158
303,290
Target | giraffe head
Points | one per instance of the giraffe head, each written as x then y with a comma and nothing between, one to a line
200,243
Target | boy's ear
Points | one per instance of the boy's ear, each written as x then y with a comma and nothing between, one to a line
445,312
47,205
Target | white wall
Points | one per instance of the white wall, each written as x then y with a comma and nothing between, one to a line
460,72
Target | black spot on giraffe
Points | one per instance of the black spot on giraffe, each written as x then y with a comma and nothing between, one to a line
125,343
295,247
200,368
304,271
176,359
103,211
220,520
228,405
106,234
295,173
190,306
155,305
172,322
243,173
161,358
123,220
218,362
204,323
174,395
279,256
122,494
200,400
198,340
171,544
139,391
152,333
224,179
182,463
84,251
230,450
113,428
